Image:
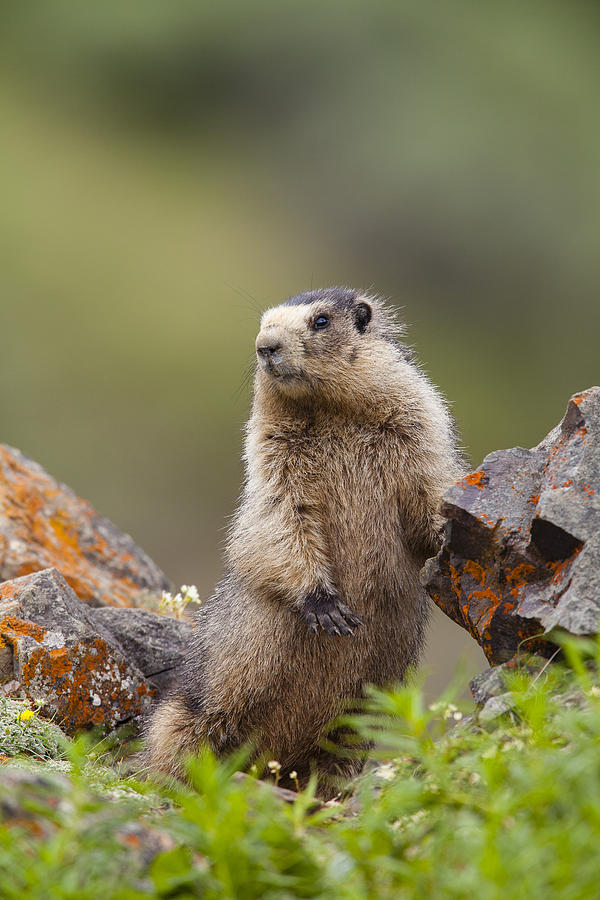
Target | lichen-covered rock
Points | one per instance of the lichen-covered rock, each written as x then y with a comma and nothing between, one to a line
64,659
31,800
43,524
521,552
154,643
43,804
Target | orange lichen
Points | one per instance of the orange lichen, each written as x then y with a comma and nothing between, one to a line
8,590
518,577
455,578
561,567
51,528
72,678
475,479
480,608
61,664
132,840
534,499
475,570
65,532
46,664
485,615
11,627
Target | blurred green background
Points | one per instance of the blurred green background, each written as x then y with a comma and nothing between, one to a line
171,169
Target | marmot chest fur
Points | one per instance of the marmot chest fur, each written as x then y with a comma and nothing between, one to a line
348,451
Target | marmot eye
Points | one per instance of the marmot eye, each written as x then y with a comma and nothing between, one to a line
321,322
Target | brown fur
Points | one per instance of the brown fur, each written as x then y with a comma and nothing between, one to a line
348,451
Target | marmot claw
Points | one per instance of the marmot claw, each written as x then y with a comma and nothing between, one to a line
321,609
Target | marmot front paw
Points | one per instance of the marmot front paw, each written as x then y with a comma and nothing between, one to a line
328,611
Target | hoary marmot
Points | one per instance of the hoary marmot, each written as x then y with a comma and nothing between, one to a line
348,451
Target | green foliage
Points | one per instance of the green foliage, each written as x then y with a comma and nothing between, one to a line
450,806
23,732
509,809
250,844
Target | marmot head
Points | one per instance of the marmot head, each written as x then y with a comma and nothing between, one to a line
329,344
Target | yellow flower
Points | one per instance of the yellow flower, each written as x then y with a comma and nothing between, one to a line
25,715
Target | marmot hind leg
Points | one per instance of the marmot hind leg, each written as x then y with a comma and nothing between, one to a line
171,737
176,732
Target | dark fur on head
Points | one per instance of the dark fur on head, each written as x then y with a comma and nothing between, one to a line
340,297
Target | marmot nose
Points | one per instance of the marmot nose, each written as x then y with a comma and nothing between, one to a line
268,349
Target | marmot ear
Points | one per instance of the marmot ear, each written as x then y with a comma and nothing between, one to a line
362,316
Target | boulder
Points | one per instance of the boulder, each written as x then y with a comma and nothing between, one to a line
31,800
84,667
154,643
41,805
521,550
43,524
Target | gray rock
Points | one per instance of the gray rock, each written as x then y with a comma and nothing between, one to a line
154,643
488,684
521,551
495,681
495,707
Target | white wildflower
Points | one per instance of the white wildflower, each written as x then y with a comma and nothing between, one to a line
175,605
449,711
190,593
274,768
